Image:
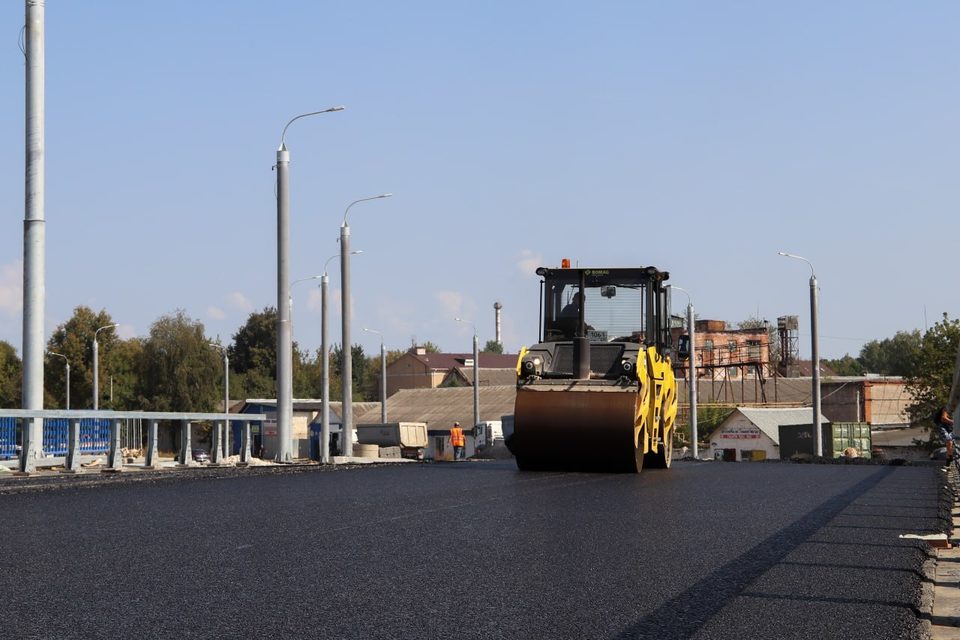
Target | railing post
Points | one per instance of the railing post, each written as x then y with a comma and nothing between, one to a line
115,461
245,443
28,458
186,454
151,461
72,463
216,448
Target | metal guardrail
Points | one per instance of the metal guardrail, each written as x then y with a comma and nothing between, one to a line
29,453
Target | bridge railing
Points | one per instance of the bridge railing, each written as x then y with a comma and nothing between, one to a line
31,450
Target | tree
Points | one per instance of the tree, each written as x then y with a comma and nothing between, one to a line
11,376
179,370
371,386
932,374
253,355
429,347
360,368
74,340
492,346
896,356
846,366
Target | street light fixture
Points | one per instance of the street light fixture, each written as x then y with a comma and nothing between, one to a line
96,364
383,376
284,341
814,351
345,304
67,363
476,372
691,373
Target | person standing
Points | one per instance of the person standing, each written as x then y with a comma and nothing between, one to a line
457,440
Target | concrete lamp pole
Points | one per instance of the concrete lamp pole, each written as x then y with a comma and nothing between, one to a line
67,363
96,365
226,396
692,373
34,232
284,341
476,372
383,376
325,370
346,318
814,351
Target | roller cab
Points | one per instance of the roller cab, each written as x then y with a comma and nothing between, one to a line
597,391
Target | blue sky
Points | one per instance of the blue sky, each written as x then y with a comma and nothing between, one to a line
699,137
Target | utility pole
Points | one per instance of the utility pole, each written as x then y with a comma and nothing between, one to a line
34,234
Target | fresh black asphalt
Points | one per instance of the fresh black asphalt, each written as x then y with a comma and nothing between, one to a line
474,550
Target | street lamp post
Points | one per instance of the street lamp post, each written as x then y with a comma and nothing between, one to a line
96,365
226,396
692,374
814,351
346,371
67,363
284,342
325,369
383,376
476,372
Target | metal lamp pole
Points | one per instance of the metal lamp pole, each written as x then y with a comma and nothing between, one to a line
325,370
692,373
226,395
284,343
814,351
67,363
476,372
34,232
383,376
346,370
96,365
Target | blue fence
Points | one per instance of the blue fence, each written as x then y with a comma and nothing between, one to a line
94,436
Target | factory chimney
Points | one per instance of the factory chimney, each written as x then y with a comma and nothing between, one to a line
496,308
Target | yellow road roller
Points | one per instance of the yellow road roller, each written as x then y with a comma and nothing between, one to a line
597,392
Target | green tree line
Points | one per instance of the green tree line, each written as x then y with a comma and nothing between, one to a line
177,367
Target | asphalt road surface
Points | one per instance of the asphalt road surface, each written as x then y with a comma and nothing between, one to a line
474,550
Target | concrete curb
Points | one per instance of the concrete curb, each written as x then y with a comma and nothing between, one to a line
944,583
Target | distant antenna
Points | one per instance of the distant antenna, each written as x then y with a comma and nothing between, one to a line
496,308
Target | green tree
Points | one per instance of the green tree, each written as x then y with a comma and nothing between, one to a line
371,386
179,370
931,376
896,356
253,355
123,365
11,376
360,369
429,347
74,340
492,346
846,366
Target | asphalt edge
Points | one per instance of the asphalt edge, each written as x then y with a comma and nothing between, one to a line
940,591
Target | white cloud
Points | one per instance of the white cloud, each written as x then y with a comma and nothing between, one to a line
528,262
451,303
238,301
216,313
11,288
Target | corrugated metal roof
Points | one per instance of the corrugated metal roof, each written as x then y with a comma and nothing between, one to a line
445,361
439,408
770,420
488,377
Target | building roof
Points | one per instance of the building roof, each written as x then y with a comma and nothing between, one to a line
440,407
488,377
769,421
446,361
336,408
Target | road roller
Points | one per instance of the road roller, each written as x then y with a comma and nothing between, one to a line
597,392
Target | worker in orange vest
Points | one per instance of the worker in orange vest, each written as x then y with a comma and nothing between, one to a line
457,441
